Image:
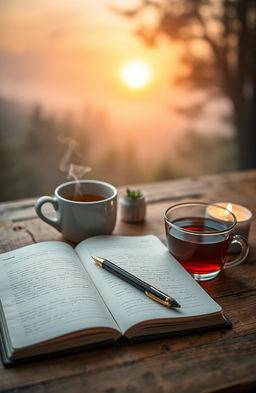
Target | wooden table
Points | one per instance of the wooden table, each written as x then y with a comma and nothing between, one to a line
217,361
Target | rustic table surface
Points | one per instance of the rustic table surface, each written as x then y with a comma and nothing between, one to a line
217,361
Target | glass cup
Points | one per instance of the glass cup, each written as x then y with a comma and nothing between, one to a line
200,241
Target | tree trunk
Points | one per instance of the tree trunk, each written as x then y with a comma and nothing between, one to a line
246,136
244,88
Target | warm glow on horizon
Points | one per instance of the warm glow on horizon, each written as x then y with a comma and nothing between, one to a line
136,74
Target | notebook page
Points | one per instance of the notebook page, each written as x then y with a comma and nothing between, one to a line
45,292
147,258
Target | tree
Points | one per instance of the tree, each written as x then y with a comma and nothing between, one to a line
228,28
6,171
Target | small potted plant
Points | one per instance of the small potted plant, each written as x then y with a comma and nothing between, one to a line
132,206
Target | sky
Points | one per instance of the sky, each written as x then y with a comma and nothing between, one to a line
68,54
71,50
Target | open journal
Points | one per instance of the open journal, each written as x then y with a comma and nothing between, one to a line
55,298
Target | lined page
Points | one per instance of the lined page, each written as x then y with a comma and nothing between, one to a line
46,292
147,258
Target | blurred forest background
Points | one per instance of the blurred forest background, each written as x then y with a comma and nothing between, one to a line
197,116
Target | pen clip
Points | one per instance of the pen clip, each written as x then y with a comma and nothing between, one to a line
166,302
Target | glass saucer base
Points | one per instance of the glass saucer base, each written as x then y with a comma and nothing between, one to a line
205,276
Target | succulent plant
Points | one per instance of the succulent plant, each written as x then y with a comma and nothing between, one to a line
133,194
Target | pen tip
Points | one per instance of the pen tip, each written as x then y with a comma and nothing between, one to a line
98,260
175,303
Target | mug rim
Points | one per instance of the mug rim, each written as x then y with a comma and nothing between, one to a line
113,188
206,233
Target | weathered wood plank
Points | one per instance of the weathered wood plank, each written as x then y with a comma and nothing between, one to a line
207,368
241,309
16,234
238,186
218,361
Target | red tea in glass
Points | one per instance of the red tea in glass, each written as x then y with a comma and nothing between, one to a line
200,241
198,254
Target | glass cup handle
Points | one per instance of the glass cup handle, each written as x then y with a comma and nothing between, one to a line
237,239
38,208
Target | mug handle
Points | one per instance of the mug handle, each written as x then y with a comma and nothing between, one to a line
237,239
38,208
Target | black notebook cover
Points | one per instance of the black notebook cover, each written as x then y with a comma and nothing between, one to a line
227,324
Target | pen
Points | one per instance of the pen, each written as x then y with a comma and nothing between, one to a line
149,290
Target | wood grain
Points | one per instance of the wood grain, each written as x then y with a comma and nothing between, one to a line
221,361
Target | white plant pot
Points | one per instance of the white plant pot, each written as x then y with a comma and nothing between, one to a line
132,209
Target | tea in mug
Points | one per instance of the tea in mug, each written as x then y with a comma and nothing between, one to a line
85,197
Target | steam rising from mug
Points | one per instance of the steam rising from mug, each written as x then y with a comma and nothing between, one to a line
74,171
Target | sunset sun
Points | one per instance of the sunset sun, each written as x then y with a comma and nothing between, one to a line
136,74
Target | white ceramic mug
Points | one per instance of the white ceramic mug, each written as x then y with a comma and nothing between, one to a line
77,220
